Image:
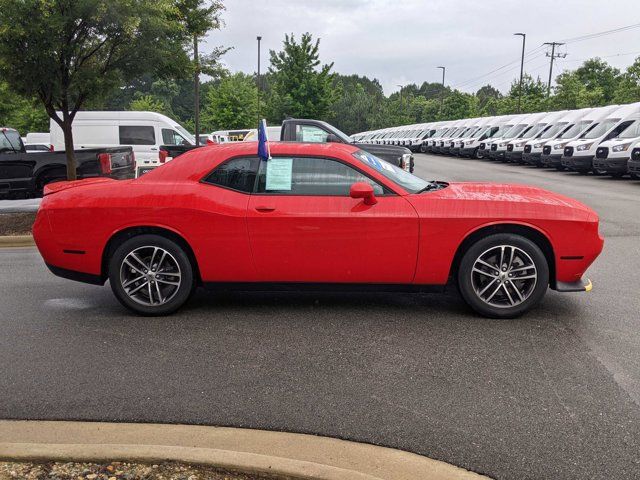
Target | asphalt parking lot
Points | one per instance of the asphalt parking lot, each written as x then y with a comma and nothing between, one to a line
555,394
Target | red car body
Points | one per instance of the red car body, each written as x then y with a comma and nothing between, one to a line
408,239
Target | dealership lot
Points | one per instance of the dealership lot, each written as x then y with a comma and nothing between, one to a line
554,394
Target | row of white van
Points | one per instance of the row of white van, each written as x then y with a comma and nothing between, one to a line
605,140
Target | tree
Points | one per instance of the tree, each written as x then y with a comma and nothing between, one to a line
70,52
570,93
300,87
628,88
25,115
198,18
596,74
485,95
232,103
147,103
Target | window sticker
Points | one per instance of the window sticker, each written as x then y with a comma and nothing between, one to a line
279,172
371,160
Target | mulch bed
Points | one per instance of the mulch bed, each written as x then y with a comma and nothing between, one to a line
16,223
119,471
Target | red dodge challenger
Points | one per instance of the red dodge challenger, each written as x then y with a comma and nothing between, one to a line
312,215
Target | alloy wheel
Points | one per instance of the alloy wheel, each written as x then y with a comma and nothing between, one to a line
150,275
504,276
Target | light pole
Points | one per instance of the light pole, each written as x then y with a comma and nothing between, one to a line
401,87
258,77
524,38
444,69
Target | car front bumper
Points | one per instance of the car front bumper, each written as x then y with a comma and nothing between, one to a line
611,165
532,158
579,164
513,156
552,160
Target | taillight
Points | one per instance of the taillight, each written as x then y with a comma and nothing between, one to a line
50,148
210,142
163,156
105,163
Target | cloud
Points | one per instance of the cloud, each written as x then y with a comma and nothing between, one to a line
403,41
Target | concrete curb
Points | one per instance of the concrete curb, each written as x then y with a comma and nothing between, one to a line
277,453
16,241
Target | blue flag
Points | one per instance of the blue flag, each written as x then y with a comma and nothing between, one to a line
263,142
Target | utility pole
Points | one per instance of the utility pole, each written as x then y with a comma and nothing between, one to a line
196,89
524,38
553,56
258,79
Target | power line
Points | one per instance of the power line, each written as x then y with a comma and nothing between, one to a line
600,34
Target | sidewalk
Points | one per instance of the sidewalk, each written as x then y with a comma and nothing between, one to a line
278,453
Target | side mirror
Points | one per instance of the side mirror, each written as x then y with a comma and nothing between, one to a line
365,191
333,138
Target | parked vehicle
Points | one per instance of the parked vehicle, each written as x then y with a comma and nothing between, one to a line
313,214
633,163
491,145
25,174
475,146
524,124
515,148
612,155
532,153
224,136
458,144
578,154
145,132
553,150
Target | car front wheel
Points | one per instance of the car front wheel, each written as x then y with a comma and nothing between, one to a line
151,275
503,275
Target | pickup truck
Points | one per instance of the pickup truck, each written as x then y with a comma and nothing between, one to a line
315,131
26,174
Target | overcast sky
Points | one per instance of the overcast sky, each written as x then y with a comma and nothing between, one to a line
403,41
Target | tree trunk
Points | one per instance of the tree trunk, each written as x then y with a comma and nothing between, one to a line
68,146
196,82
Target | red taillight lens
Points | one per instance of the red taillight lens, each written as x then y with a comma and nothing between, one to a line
210,142
105,163
163,156
51,148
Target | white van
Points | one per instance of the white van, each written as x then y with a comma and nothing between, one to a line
552,150
458,143
578,154
515,148
532,153
524,124
145,132
476,145
612,155
488,146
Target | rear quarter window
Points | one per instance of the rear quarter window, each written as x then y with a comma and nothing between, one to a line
137,135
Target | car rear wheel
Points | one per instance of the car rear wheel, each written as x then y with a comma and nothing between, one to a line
503,275
151,275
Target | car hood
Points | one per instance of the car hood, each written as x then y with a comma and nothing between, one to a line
508,200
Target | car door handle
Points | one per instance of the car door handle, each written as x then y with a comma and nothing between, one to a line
264,208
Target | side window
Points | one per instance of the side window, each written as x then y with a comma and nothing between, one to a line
310,176
137,135
171,137
310,134
236,174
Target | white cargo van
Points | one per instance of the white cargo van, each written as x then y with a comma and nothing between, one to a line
476,145
552,151
578,154
612,155
532,153
145,132
515,148
524,124
491,145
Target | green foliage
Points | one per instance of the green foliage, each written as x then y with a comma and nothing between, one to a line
147,103
231,104
300,86
22,114
628,89
69,52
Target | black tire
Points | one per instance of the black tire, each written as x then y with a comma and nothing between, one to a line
532,290
423,148
177,258
635,176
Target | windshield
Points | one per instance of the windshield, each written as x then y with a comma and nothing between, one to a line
601,129
553,131
501,131
185,134
515,130
532,132
9,141
409,182
631,131
576,130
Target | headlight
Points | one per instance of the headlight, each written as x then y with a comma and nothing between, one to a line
621,148
501,145
559,146
520,145
582,148
538,145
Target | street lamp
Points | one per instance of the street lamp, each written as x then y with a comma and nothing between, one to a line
401,87
259,38
524,38
444,69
